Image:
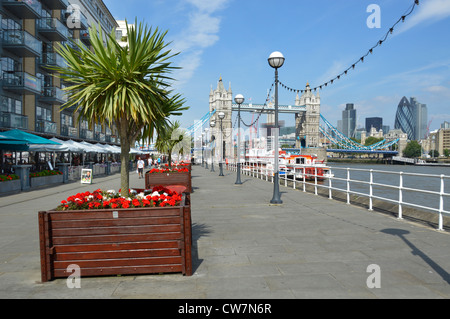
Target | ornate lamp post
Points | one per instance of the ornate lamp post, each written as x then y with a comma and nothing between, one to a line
221,117
239,99
276,60
212,124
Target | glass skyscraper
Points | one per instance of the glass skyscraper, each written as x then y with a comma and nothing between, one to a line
349,120
411,118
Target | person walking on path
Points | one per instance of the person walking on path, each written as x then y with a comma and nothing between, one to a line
140,166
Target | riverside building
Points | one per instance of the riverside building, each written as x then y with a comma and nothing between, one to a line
31,95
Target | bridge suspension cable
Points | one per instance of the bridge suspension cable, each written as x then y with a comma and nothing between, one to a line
338,138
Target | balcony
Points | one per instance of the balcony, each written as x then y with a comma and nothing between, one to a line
52,29
56,4
21,43
51,59
21,82
52,95
86,134
30,9
75,20
12,120
99,136
85,37
69,131
44,126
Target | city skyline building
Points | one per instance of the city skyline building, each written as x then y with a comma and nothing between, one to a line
376,122
411,117
421,118
349,120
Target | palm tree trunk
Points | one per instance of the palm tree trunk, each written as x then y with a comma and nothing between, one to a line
124,167
125,145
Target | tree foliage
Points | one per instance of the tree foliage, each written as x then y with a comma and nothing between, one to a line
126,86
412,149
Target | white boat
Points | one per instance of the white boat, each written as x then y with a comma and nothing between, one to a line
291,165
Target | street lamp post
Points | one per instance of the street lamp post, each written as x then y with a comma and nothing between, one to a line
221,117
276,60
206,148
212,124
203,150
239,99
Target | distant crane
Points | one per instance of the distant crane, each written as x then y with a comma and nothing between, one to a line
428,128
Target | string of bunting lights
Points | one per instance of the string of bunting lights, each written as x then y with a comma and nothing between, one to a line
261,111
361,59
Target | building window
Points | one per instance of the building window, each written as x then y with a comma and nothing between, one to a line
10,105
43,113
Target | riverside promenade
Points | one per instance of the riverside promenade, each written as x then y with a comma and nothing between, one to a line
243,247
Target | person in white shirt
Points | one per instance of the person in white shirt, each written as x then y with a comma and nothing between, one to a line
140,166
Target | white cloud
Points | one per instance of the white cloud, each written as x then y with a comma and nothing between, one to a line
202,32
427,12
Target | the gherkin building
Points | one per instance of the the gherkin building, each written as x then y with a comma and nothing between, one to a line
404,118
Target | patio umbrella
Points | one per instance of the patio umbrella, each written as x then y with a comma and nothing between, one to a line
12,144
28,137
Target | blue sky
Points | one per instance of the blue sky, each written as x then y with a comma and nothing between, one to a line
232,39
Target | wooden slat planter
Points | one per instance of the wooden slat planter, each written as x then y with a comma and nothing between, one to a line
116,242
165,179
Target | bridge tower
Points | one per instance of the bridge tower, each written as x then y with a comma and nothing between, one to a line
221,100
307,123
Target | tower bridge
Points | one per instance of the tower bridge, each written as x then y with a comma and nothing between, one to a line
308,130
270,108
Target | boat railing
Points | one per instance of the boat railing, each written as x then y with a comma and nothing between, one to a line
403,193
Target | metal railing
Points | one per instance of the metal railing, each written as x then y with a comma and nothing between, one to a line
401,191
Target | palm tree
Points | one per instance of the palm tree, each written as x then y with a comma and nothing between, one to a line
171,139
127,86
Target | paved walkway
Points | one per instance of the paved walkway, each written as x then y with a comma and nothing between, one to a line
308,247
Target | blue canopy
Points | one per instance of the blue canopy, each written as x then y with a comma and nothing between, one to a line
17,140
27,137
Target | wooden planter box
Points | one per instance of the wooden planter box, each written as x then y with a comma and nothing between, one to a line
165,179
116,242
10,186
46,180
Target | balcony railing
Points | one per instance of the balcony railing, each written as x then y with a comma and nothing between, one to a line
69,131
21,82
99,136
12,120
85,37
86,134
30,9
21,43
52,29
44,126
53,95
56,4
51,59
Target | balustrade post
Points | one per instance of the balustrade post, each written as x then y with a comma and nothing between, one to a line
370,190
295,177
329,188
315,180
441,204
348,185
400,197
304,179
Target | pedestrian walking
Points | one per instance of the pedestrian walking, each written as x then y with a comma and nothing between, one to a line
140,166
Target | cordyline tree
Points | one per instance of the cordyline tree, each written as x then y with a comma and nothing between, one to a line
172,140
126,86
